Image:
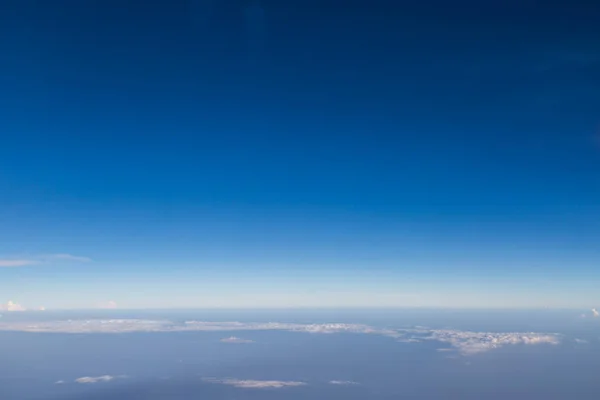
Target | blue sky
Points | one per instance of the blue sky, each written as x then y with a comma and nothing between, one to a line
227,154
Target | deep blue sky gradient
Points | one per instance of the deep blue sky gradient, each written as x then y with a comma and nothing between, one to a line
445,150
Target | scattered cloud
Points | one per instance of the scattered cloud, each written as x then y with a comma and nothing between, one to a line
234,339
580,341
595,313
13,262
465,342
12,306
343,383
468,342
254,384
59,382
96,379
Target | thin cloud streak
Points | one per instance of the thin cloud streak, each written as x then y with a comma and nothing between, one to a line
15,262
234,339
254,384
96,379
11,263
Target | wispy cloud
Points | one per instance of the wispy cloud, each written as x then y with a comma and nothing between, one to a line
13,262
17,262
254,384
343,383
234,339
108,305
595,313
96,379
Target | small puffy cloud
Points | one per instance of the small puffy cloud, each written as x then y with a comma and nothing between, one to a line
254,384
108,305
595,313
234,339
12,306
96,379
343,383
13,262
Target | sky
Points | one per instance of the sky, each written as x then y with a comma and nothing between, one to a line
203,153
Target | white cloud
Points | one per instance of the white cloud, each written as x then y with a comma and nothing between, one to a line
254,384
409,340
476,342
343,383
580,341
466,342
108,305
595,313
13,262
11,306
96,379
59,382
234,339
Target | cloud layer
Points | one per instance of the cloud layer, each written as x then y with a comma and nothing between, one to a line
254,384
466,342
